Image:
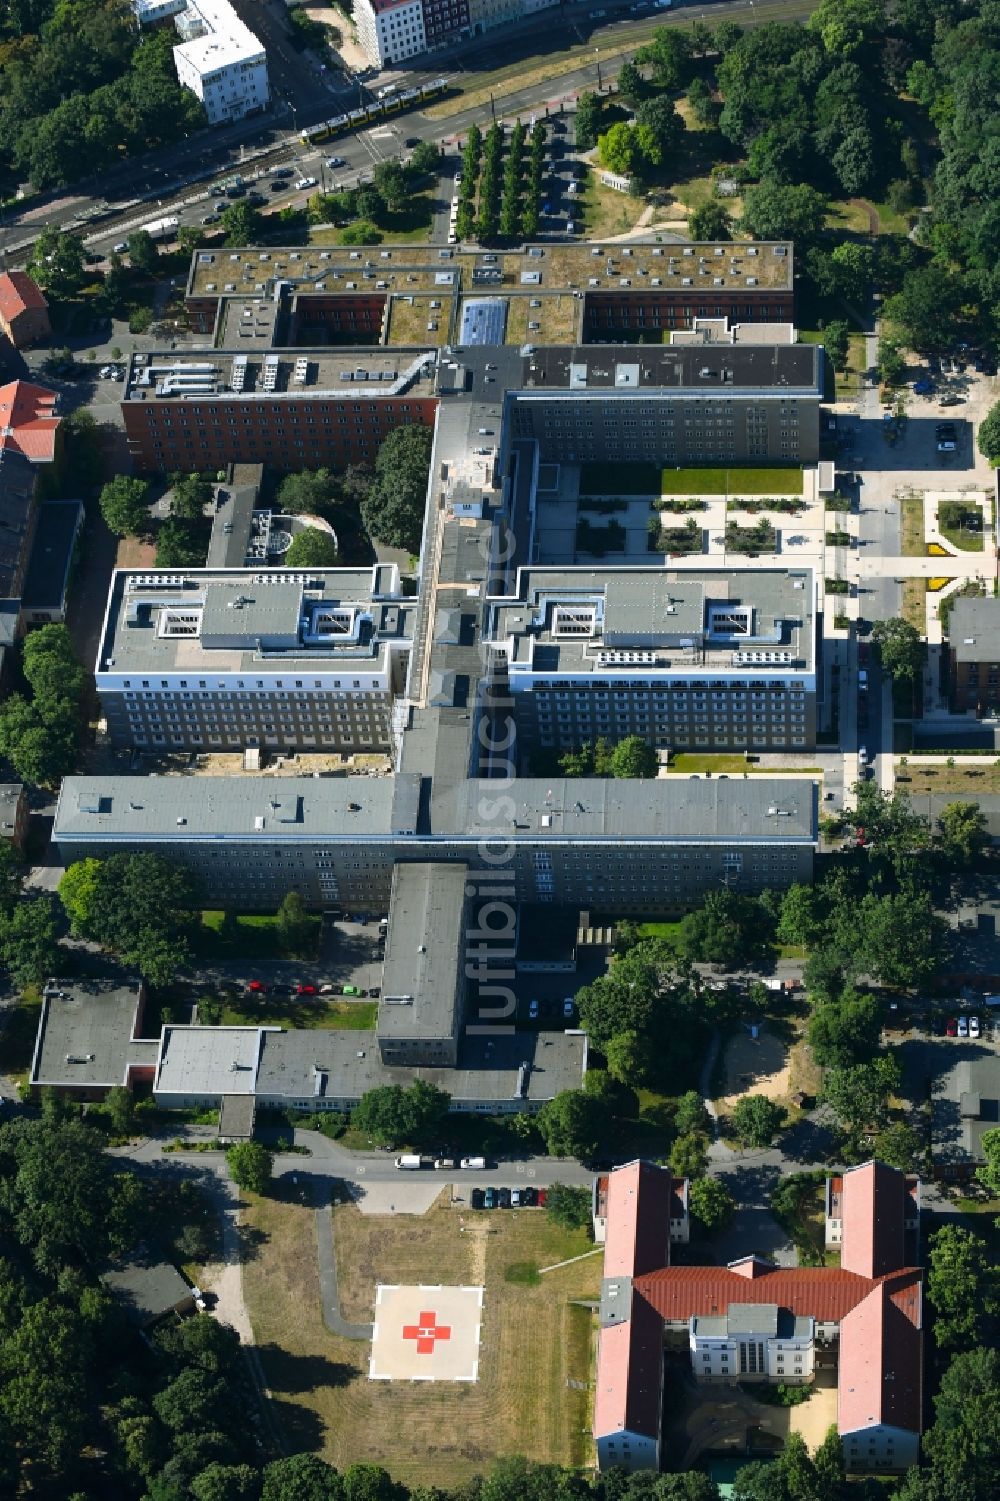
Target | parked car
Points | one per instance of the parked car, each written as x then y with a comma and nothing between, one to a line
444,1163
946,437
351,990
210,218
963,1026
529,1196
974,1028
256,987
951,400
951,1027
533,1010
476,1198
489,1198
569,1007
282,172
542,1198
503,1198
515,1198
374,991
336,161
306,989
922,387
411,141
304,183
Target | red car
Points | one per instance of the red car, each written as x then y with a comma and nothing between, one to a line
542,1198
306,990
951,1027
256,987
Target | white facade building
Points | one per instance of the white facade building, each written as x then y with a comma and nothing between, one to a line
752,1342
220,61
390,30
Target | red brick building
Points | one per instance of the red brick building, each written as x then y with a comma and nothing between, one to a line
24,313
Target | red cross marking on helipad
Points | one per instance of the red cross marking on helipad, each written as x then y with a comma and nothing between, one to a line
426,1333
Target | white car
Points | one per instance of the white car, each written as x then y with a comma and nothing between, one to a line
974,1027
305,182
963,1026
336,161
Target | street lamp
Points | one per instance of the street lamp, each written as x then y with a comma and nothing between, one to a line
597,54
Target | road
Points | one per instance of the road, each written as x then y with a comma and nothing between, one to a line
184,179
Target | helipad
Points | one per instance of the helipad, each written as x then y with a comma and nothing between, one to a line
426,1334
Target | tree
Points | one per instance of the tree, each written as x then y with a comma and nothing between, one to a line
42,748
836,339
300,1477
962,1287
28,944
57,262
691,1114
775,211
393,509
573,1124
711,222
368,1482
963,1443
425,158
190,237
190,494
727,930
589,109
689,1155
294,926
890,363
632,757
142,910
860,1095
989,1173
844,1031
125,505
11,874
241,224
250,1166
78,892
619,148
45,1392
392,184
898,1146
121,1110
800,921
711,1203
900,648
988,438
391,1114
623,1000
142,251
312,549
193,1400
631,84
755,1120
927,309
180,544
659,116
703,103
219,1482
627,1057
669,53
569,1205
308,492
964,833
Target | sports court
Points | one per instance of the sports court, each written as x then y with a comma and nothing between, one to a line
426,1334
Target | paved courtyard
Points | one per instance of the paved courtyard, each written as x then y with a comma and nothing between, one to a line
426,1334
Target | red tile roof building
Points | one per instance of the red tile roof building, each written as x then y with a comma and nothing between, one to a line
754,1320
28,421
24,313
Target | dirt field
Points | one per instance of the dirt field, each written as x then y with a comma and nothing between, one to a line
534,1340
756,1065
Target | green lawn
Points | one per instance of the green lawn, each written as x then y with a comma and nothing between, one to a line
784,481
692,762
252,935
848,381
669,931
323,1012
951,514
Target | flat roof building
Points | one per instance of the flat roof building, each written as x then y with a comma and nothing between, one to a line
90,1039
974,650
236,658
220,60
423,973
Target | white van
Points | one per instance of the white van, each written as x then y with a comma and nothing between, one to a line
409,1163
